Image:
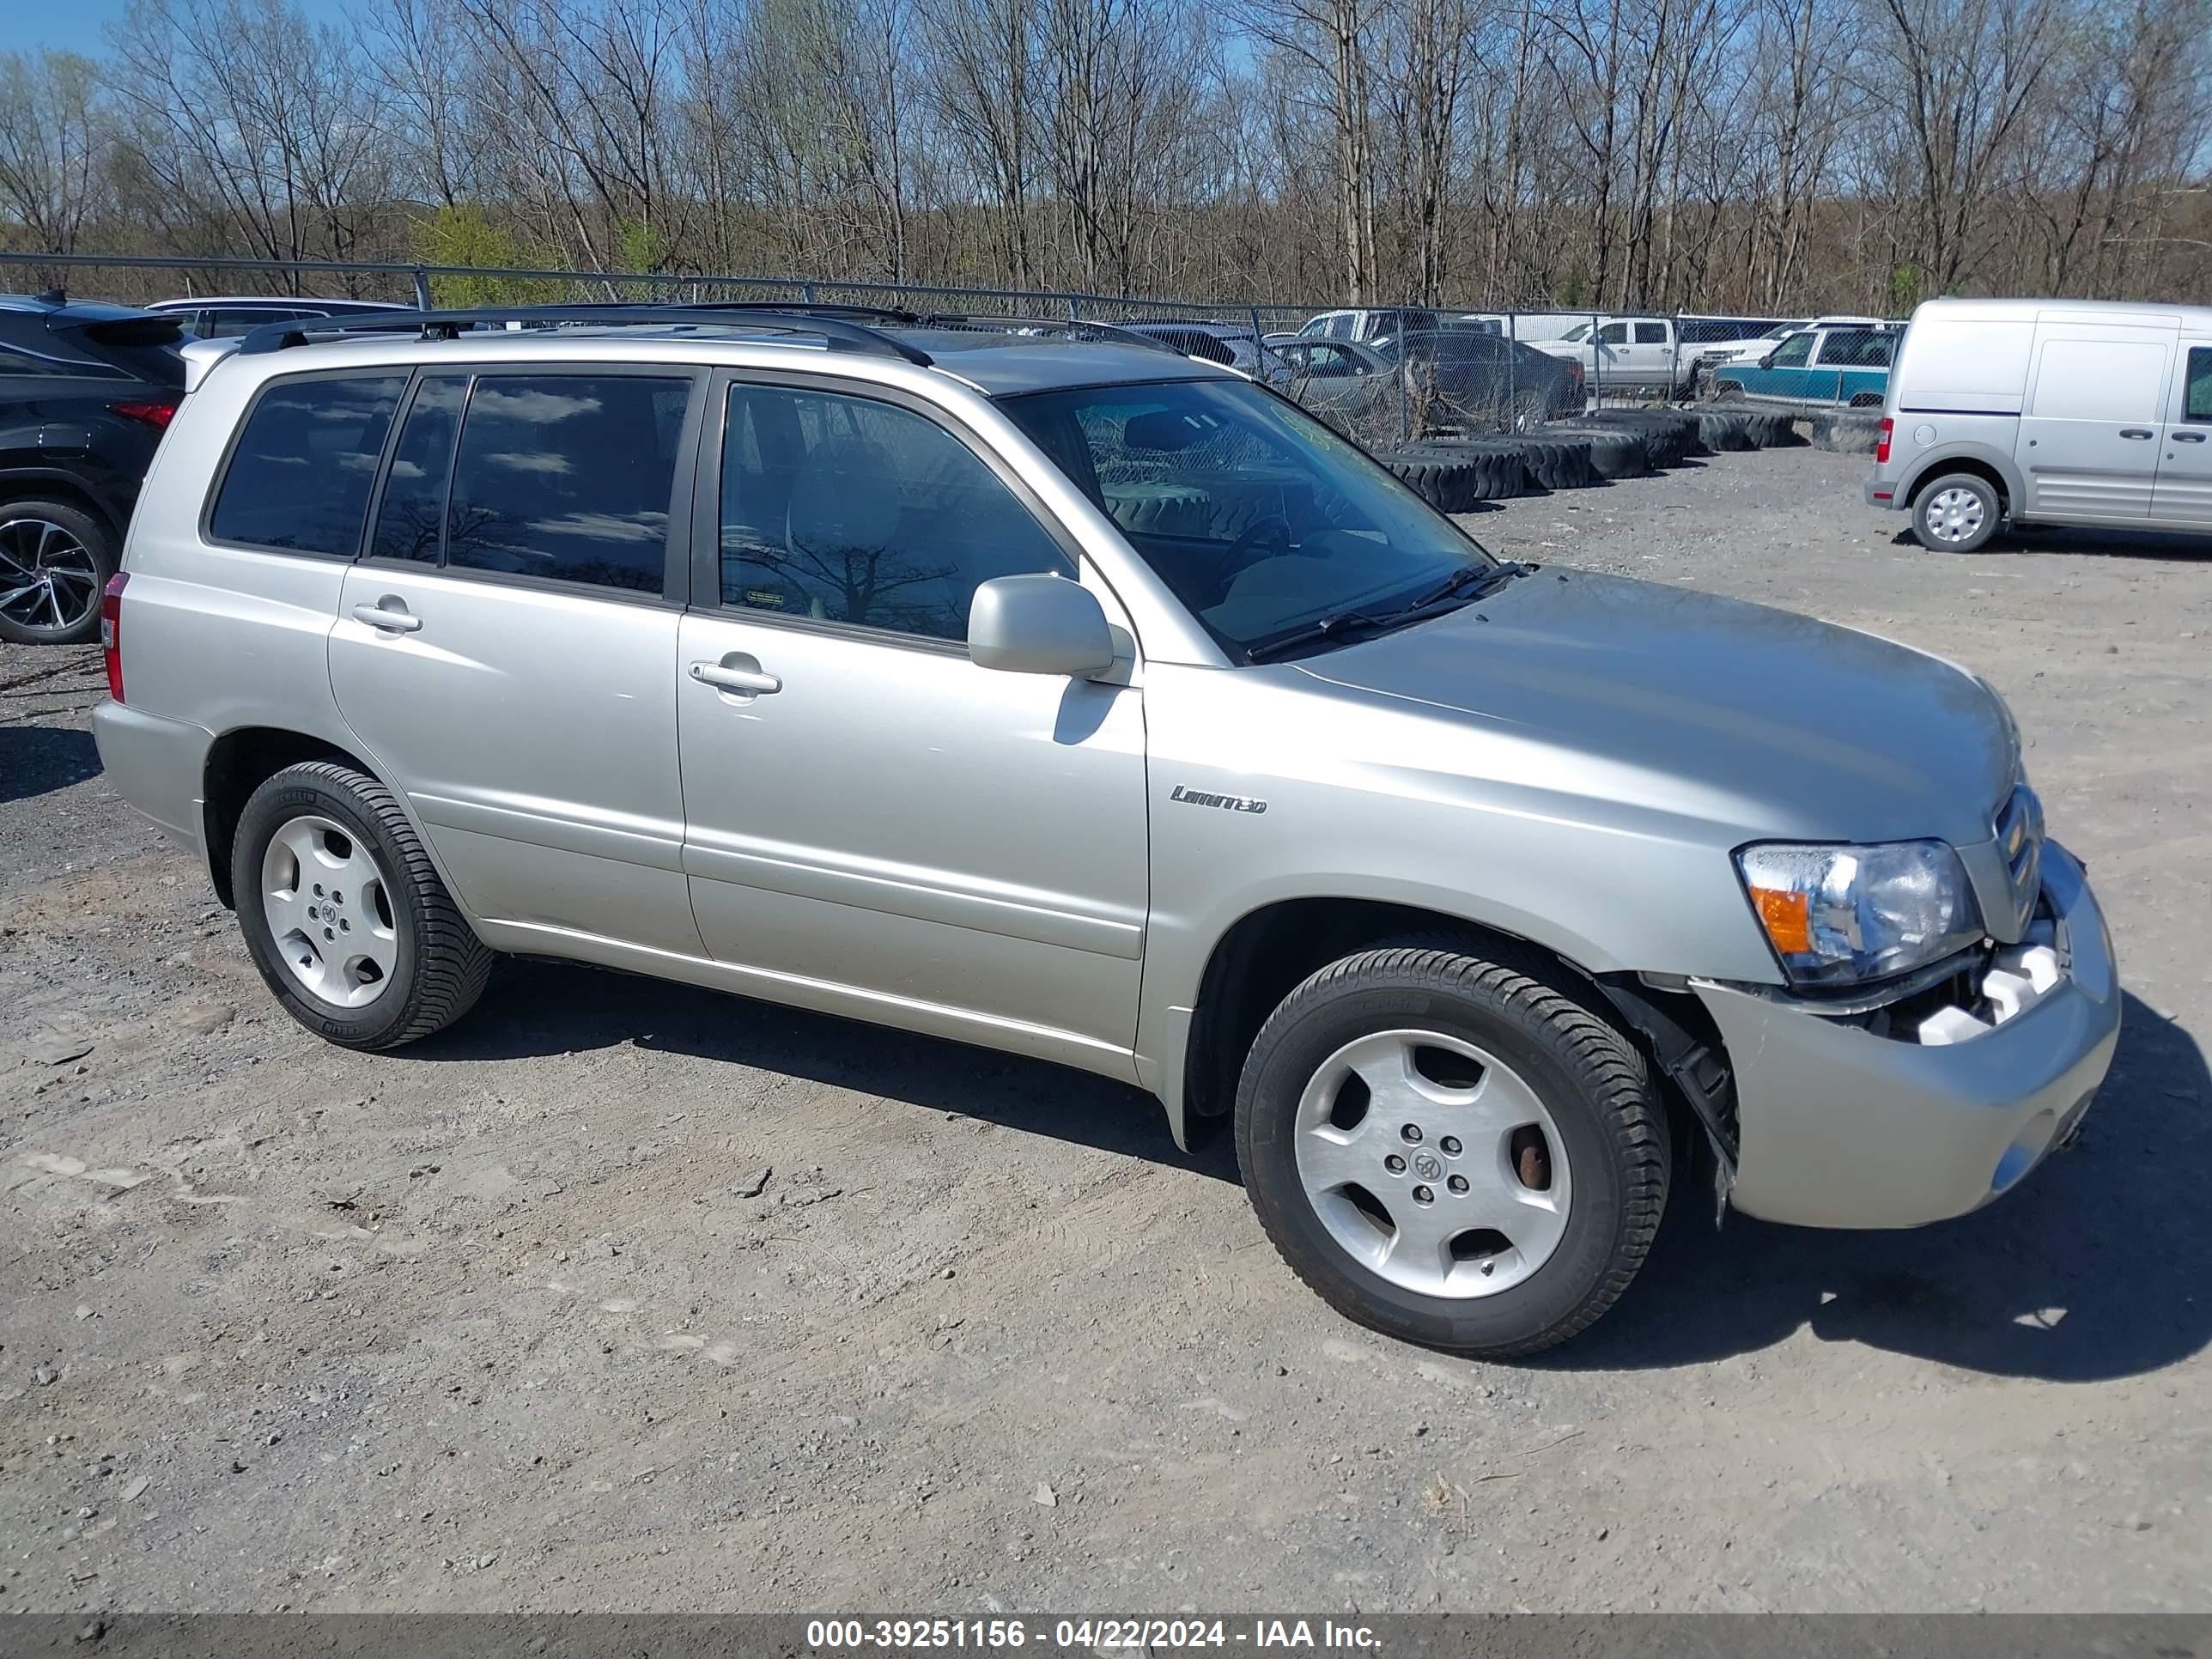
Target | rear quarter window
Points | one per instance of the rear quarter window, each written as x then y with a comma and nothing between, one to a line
299,476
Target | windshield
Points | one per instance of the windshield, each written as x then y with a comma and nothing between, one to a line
1261,519
1579,331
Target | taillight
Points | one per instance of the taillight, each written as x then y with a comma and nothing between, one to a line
156,415
1881,448
1575,370
110,632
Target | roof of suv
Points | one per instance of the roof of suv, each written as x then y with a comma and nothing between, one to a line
994,361
1008,364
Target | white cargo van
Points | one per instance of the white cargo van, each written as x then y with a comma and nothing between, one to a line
2048,411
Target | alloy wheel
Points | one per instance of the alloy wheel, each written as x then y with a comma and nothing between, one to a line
49,579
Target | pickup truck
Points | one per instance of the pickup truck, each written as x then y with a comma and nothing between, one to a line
1629,353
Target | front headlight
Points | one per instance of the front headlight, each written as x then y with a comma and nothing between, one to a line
1838,915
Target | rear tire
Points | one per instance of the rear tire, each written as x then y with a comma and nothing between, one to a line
56,559
1529,1230
1957,513
344,914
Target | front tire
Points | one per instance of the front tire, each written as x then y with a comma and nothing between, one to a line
345,915
1957,513
1452,1151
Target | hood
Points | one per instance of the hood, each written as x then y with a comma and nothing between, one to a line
1776,723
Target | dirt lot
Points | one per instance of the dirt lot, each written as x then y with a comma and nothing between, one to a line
622,1295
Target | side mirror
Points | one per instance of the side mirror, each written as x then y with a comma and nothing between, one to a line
1038,625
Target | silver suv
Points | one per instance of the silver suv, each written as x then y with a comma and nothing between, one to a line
1076,698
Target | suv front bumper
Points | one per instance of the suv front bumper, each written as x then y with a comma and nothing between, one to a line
1839,1128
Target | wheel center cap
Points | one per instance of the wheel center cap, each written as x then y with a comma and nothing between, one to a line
1426,1167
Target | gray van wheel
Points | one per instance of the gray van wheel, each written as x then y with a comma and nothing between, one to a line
1957,513
1452,1151
344,914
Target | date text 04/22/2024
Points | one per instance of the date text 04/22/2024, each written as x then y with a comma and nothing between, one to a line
1104,1635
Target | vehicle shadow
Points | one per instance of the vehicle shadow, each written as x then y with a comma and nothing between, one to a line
536,1006
2094,1268
37,760
2153,544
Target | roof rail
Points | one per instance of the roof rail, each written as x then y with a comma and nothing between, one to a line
1082,327
985,322
838,332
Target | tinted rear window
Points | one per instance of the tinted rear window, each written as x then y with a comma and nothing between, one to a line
568,477
300,477
144,348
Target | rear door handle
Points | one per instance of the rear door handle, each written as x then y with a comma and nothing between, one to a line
393,619
746,682
2187,437
2144,432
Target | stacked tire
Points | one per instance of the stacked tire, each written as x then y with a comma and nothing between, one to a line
1672,438
1548,462
1450,483
1616,451
1770,429
1722,429
1846,431
1559,463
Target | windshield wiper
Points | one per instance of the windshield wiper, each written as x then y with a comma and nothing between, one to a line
1473,580
1327,628
1469,582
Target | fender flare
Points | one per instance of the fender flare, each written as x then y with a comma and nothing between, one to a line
1933,461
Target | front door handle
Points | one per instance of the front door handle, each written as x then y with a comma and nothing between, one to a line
2142,432
746,682
2187,437
395,618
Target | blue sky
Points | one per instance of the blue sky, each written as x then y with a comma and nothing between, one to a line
82,25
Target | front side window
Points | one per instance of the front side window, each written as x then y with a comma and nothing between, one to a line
300,477
1613,334
2196,393
1794,353
846,510
1261,520
1324,362
568,477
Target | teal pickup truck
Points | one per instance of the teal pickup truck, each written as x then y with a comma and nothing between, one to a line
1844,365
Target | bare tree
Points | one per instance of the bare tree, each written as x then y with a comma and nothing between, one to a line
54,137
1739,155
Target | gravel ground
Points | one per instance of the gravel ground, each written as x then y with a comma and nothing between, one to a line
624,1295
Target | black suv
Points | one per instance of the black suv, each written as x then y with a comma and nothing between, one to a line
85,391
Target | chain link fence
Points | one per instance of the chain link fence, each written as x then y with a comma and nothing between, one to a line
1388,376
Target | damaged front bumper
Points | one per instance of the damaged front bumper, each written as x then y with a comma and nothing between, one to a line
1839,1126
